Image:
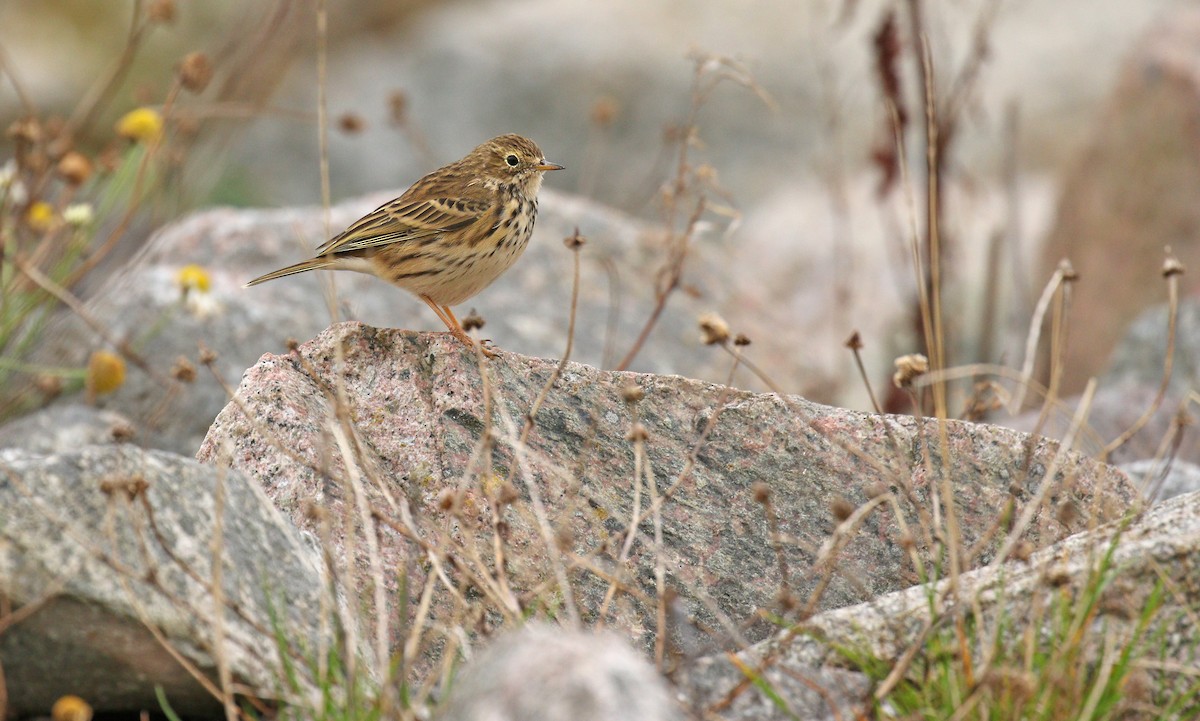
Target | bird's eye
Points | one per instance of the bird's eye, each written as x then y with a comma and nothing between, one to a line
511,160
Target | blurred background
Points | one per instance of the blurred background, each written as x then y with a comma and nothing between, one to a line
1054,116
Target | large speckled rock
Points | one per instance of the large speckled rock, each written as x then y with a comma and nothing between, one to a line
423,451
99,545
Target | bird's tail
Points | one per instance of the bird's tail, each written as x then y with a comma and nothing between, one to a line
311,264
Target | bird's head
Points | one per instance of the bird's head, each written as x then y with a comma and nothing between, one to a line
513,159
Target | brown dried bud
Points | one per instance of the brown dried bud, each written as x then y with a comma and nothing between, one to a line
508,494
906,541
122,432
208,356
351,123
398,107
183,370
841,508
605,111
854,342
25,130
741,339
75,168
713,329
473,321
761,491
161,11
564,537
195,72
449,500
1021,551
632,393
909,368
575,241
637,433
1067,513
49,386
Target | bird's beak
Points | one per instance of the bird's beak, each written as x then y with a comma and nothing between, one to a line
547,166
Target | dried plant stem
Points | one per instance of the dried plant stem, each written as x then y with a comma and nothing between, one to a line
1031,340
1168,365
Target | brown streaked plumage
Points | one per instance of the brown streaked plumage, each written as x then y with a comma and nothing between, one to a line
451,234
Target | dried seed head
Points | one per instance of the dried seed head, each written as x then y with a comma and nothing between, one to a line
1067,513
909,368
761,491
208,356
741,339
122,432
713,329
1172,266
1056,577
161,11
183,370
473,321
854,342
564,537
49,386
1021,551
351,123
75,168
449,500
632,393
906,541
195,72
398,107
575,241
508,494
291,344
604,111
841,508
1069,274
637,433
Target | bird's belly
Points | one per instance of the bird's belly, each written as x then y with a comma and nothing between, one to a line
464,276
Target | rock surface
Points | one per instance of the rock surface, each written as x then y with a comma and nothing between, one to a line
1163,543
63,429
542,673
413,412
98,544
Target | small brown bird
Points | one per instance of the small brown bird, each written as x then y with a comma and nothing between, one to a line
451,234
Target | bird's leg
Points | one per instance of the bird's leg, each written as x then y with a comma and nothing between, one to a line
456,329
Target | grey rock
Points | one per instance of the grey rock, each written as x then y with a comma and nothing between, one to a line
1164,542
101,544
63,428
541,673
431,457
1160,480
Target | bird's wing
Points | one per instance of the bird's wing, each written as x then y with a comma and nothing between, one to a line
405,220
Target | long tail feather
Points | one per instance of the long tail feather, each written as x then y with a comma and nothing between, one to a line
310,264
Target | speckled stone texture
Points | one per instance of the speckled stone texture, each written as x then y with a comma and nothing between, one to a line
100,544
416,417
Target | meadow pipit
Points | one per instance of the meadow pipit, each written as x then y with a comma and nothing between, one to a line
451,234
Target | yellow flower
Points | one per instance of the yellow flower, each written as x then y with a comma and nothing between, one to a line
193,277
71,708
105,372
40,216
143,125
